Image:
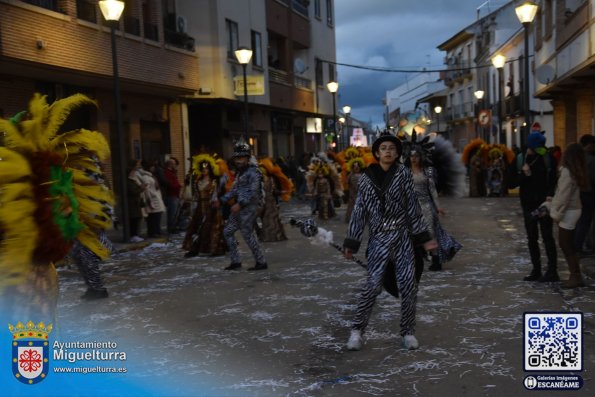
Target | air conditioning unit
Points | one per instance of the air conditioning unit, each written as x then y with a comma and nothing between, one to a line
181,24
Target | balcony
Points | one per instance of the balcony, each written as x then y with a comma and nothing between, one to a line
513,106
278,76
574,23
301,82
179,40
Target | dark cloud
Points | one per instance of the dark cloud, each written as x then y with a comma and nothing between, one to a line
391,34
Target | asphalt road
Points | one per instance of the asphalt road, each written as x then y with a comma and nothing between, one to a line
200,330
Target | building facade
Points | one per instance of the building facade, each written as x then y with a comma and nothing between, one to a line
62,47
564,66
293,44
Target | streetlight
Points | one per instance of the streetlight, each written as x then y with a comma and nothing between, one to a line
112,10
438,110
333,86
243,56
499,61
346,112
526,13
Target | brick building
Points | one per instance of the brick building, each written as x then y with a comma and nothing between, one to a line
61,47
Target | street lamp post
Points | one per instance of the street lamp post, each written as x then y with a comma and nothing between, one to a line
347,113
333,86
438,110
112,10
243,56
526,13
499,61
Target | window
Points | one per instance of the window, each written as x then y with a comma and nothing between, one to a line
330,13
86,10
150,27
231,30
548,19
317,8
256,49
47,4
319,77
331,72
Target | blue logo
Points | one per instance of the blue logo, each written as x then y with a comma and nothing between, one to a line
30,352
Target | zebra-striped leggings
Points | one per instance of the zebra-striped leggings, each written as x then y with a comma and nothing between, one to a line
88,265
389,249
244,221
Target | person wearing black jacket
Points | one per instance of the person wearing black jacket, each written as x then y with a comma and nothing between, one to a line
537,183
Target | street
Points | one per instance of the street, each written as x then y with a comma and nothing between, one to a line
194,329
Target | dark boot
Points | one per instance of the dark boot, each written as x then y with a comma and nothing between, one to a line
259,266
92,294
535,275
233,266
436,265
551,275
190,254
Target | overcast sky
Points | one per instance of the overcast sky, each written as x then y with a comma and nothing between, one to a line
392,34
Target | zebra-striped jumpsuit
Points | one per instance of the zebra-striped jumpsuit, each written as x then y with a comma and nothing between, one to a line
247,190
390,207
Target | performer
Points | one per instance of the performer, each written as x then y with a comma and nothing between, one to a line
355,166
247,192
204,234
50,198
386,201
425,190
276,185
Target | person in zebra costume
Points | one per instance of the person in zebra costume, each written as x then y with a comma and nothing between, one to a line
247,191
88,264
386,200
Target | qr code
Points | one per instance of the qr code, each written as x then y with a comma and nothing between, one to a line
553,341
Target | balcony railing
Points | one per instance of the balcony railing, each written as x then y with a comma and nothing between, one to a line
300,7
179,39
574,24
278,76
513,105
301,82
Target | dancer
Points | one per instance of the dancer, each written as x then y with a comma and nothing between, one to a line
50,198
355,167
425,190
386,201
247,193
204,234
276,185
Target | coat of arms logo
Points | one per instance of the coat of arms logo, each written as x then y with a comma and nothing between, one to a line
30,351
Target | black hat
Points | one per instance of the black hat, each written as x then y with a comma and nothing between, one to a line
386,136
241,149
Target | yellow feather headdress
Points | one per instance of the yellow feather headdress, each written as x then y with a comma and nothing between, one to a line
202,158
52,188
286,185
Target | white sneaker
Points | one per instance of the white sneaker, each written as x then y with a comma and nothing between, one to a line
355,340
136,239
410,342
